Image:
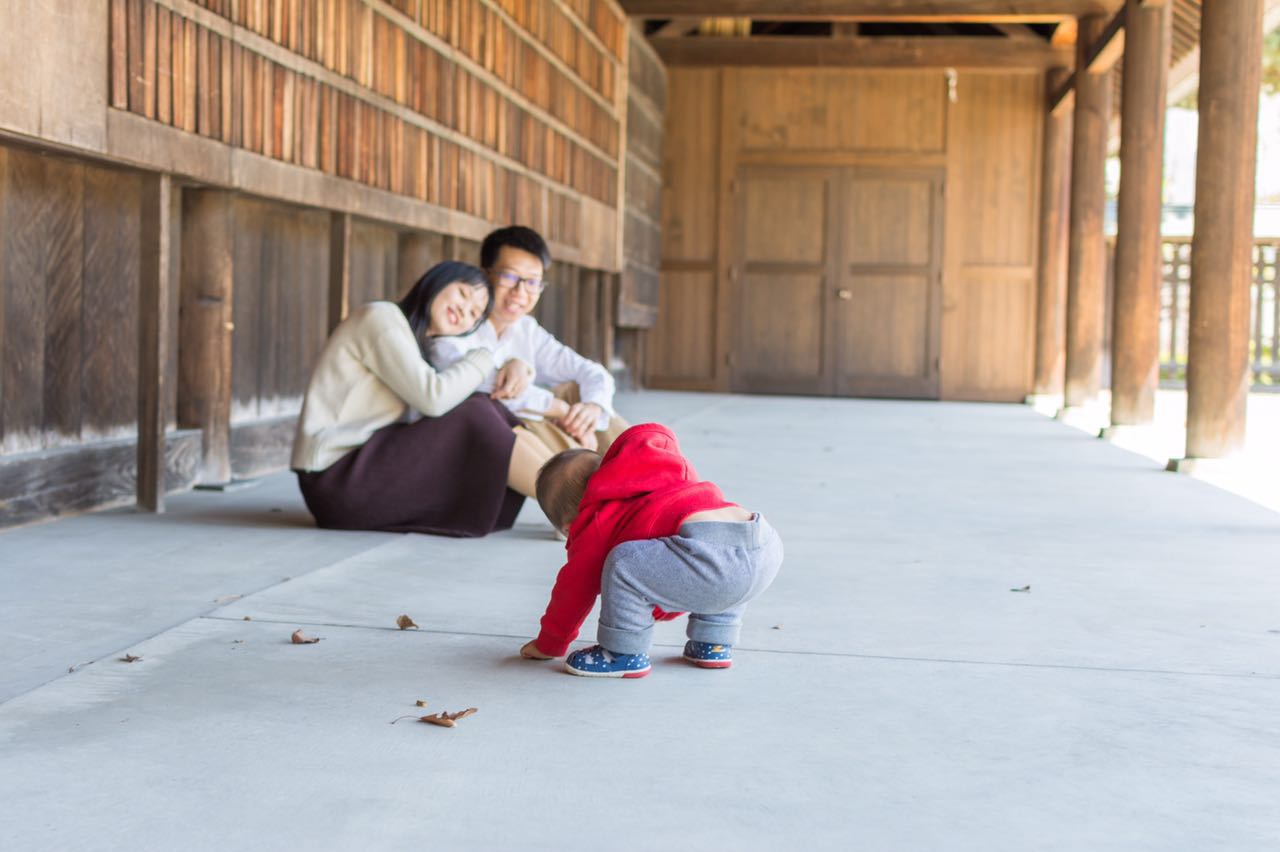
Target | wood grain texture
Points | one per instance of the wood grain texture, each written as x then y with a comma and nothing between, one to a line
71,480
154,294
204,349
60,218
26,191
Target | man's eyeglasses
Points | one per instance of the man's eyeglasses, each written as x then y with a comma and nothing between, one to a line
507,280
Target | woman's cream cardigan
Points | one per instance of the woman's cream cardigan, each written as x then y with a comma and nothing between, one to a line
369,372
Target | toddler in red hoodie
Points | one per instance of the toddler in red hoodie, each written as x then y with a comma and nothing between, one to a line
651,540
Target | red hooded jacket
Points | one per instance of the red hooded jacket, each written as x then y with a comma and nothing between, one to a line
643,489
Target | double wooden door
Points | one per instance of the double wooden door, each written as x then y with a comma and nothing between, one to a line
837,282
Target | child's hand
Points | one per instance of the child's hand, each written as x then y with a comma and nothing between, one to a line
530,651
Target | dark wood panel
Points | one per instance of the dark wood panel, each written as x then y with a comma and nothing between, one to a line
247,308
112,230
60,218
39,485
24,314
374,254
262,447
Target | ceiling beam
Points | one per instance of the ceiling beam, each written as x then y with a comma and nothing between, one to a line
1019,32
1106,50
921,52
987,11
676,27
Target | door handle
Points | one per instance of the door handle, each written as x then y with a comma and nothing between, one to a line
844,295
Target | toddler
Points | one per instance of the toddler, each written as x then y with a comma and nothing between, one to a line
651,540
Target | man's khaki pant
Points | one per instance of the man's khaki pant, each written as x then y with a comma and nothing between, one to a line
558,439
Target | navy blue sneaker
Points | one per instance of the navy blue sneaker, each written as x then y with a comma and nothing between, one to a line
708,656
598,662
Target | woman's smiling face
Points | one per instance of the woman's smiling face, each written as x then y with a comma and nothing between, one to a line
457,309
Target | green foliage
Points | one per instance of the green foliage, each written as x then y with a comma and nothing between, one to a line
1271,63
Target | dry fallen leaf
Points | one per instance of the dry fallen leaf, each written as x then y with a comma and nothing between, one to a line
777,627
129,658
248,618
420,703
300,638
227,599
443,719
1023,589
404,622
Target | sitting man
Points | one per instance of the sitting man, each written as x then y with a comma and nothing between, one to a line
578,410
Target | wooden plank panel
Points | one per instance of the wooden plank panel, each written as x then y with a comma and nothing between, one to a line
249,308
781,314
689,168
682,349
993,358
884,331
62,222
999,121
831,110
22,360
887,222
112,210
785,218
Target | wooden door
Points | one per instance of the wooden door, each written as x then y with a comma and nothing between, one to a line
779,285
887,293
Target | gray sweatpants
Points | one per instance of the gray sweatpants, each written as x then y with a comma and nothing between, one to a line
710,569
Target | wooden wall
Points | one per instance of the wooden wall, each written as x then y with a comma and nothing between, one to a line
809,176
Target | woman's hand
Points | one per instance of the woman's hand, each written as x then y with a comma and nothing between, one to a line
530,651
513,379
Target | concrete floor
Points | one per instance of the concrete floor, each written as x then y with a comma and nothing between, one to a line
890,691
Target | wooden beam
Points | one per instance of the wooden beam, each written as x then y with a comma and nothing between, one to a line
1221,251
87,476
1055,177
1019,32
1004,11
1105,51
1060,92
339,268
1086,253
204,355
922,52
676,27
1064,35
1135,330
154,295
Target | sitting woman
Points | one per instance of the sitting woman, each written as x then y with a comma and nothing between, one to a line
386,442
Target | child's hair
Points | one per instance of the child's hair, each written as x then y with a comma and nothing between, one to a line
518,237
416,304
562,482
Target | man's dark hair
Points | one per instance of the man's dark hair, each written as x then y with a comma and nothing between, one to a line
516,236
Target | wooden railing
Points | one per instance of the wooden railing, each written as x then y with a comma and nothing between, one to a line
1264,317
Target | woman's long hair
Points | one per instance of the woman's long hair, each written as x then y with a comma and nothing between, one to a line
417,302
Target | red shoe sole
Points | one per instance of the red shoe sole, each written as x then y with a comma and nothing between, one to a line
711,664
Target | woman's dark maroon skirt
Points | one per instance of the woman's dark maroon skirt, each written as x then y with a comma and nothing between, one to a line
445,475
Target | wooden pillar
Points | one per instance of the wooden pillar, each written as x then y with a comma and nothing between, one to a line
588,318
1221,263
1055,176
609,284
1086,253
154,297
204,356
339,267
1135,314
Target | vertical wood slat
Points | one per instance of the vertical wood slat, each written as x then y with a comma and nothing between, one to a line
153,338
61,223
1221,254
204,357
21,360
1135,336
339,268
119,54
164,66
